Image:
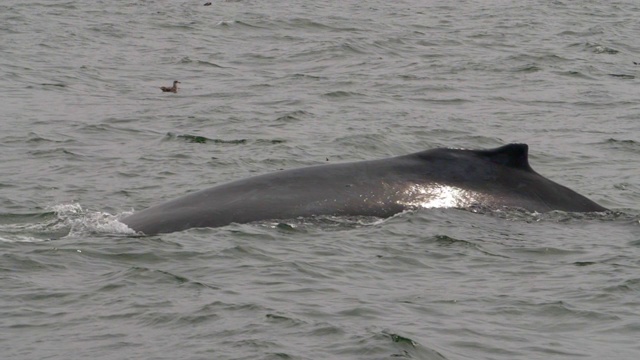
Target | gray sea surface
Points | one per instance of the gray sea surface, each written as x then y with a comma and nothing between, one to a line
87,137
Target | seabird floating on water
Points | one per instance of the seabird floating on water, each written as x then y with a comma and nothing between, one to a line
172,89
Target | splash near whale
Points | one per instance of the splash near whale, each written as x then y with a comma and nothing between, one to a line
494,178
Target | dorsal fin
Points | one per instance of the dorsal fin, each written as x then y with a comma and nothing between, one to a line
511,155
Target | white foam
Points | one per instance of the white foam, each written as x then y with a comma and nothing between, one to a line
19,238
69,220
93,222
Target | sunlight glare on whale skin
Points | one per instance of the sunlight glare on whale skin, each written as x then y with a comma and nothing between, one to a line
438,196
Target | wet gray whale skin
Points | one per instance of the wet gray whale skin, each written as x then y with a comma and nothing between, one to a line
492,178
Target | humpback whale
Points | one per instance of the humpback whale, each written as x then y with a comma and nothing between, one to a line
494,178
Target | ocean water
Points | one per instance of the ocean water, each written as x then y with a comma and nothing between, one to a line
87,137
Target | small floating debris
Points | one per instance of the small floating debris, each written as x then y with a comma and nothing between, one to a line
173,89
207,4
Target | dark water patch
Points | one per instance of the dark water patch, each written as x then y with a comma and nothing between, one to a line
294,116
54,84
48,153
34,138
315,25
287,118
209,64
138,275
28,263
110,30
365,142
353,48
323,329
282,320
25,218
247,252
403,347
48,296
534,59
111,287
178,26
627,286
40,229
280,355
198,139
625,142
584,263
270,141
627,145
342,94
444,240
554,352
411,77
152,317
109,131
175,278
199,284
566,310
243,24
134,256
216,306
36,315
307,76
625,187
526,69
623,76
261,57
463,246
7,186
574,74
544,252
449,102
186,60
